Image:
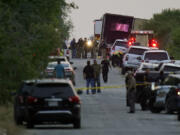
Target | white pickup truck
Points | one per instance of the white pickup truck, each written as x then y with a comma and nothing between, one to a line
155,56
130,59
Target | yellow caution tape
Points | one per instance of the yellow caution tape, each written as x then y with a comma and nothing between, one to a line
110,87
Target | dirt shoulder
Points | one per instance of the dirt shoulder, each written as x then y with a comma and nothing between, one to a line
7,124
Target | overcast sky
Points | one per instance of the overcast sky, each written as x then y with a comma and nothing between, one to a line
90,10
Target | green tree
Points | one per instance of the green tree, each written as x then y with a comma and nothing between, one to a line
30,30
166,28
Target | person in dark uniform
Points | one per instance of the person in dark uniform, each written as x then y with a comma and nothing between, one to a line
85,48
105,69
88,73
131,91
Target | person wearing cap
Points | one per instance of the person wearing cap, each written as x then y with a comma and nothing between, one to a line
131,91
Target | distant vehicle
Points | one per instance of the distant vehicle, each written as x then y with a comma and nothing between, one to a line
52,101
60,58
130,60
143,37
119,46
155,56
114,27
69,70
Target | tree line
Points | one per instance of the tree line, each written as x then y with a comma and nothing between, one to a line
29,31
166,26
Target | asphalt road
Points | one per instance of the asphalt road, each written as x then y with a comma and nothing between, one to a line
106,113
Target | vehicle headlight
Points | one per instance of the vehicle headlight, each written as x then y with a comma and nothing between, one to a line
178,93
89,43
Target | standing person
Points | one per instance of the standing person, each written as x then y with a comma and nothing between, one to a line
103,48
59,69
80,48
131,91
97,72
73,47
105,69
126,82
88,73
85,47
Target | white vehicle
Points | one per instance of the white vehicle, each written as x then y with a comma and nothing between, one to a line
60,58
155,56
130,60
119,45
144,66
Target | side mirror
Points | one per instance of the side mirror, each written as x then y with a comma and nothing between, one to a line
139,58
79,92
71,62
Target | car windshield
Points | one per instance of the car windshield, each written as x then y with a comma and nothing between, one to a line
121,44
52,89
156,56
171,68
51,65
138,51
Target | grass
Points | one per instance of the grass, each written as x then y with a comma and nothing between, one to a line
7,124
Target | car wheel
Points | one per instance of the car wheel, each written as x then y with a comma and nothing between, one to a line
30,125
18,119
77,124
167,108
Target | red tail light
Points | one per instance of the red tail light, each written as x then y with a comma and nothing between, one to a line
31,99
142,60
178,91
68,69
126,59
74,99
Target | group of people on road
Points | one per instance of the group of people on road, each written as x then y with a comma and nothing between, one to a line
80,48
92,74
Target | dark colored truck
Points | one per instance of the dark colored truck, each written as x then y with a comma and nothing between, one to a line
116,26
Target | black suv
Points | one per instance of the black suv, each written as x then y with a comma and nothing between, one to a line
52,101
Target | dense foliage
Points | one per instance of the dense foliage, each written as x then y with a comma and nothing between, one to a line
29,31
166,26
